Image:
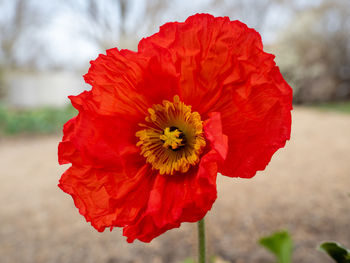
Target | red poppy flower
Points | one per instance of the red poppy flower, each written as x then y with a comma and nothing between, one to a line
198,98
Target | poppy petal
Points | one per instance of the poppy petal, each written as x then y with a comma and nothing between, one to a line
214,56
111,140
105,198
178,198
213,132
257,125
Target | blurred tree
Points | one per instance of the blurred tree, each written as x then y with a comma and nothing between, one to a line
109,23
314,52
254,12
18,19
257,13
18,46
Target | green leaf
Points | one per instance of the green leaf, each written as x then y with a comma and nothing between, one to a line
280,244
336,251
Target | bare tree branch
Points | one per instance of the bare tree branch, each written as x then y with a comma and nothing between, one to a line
22,18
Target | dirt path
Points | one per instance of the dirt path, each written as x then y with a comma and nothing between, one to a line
305,190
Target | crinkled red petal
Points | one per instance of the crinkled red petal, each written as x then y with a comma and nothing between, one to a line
106,198
128,82
213,133
176,199
207,53
101,141
257,125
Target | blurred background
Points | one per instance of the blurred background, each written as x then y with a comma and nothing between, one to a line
45,48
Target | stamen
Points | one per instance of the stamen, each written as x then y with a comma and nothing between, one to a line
173,138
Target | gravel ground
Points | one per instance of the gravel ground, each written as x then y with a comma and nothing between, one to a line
305,189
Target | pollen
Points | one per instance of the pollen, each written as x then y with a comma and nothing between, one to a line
172,137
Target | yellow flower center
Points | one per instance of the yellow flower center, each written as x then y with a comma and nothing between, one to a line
172,139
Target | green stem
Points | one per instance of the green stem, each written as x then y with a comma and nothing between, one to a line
201,241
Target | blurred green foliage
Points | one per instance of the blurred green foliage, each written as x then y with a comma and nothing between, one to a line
188,260
280,244
34,121
337,106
